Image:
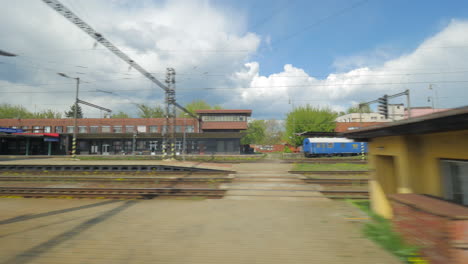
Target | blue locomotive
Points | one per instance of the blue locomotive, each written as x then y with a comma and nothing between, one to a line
315,147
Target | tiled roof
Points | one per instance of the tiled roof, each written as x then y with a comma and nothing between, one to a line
224,111
224,125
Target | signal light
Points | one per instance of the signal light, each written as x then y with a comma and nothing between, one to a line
383,106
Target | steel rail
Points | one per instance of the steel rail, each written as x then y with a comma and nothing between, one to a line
145,193
115,179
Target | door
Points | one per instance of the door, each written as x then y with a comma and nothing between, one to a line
105,149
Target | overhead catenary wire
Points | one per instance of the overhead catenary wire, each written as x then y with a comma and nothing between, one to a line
252,87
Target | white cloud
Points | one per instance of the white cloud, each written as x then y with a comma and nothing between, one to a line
190,36
208,49
440,60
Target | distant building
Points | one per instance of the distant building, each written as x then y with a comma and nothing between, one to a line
217,132
424,110
395,112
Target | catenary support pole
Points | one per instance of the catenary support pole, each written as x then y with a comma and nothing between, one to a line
408,103
75,119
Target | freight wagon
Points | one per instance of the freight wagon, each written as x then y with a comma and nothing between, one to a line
316,147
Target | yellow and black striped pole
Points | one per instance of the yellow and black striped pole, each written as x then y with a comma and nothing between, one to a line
164,149
363,156
74,148
172,150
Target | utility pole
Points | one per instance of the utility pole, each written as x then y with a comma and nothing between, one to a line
75,117
135,133
184,147
75,112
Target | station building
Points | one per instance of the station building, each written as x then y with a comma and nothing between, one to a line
215,132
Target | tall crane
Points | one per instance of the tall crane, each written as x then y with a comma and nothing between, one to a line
171,103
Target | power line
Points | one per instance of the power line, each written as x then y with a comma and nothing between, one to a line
251,87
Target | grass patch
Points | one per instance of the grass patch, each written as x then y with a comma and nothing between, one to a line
301,156
330,167
381,232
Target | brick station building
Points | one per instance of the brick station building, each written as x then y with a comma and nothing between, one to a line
215,132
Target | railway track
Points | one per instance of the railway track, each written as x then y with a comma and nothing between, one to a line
114,193
105,168
170,180
336,182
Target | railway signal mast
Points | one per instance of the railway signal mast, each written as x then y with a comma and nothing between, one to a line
383,104
170,93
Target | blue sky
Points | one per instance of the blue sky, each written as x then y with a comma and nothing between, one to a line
397,25
259,55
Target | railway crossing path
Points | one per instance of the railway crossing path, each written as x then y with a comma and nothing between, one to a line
263,219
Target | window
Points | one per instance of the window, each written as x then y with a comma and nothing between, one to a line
93,129
224,118
105,129
189,129
330,145
47,129
164,129
455,181
37,129
25,128
117,129
117,145
178,145
58,129
178,128
142,129
69,129
153,129
129,129
373,118
82,129
140,145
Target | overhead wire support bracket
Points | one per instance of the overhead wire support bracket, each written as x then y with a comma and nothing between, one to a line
95,106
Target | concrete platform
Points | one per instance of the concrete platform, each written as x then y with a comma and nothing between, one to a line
183,231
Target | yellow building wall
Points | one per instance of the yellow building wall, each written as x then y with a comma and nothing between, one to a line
411,164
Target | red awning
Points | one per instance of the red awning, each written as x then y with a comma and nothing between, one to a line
39,134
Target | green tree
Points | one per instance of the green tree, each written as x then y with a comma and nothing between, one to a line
274,132
308,118
14,111
18,111
120,114
146,111
47,114
255,133
355,109
199,105
71,112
